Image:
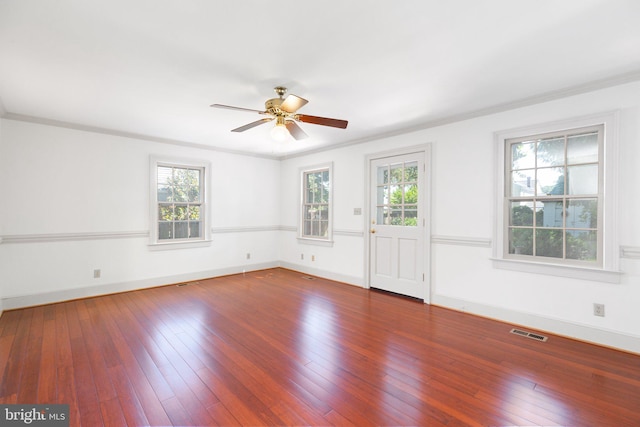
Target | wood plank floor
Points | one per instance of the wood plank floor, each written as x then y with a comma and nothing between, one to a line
273,348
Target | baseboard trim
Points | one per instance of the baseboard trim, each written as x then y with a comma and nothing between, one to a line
349,280
587,333
22,301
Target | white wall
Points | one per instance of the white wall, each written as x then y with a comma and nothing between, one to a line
75,201
463,174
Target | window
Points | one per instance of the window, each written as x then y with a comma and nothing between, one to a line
397,194
554,196
178,207
316,203
556,200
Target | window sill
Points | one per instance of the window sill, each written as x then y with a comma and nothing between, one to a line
167,246
570,271
315,242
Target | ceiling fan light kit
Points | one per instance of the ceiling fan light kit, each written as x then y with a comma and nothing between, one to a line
284,111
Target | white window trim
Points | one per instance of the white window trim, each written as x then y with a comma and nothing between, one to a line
156,161
328,241
609,272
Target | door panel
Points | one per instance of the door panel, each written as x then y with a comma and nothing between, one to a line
383,256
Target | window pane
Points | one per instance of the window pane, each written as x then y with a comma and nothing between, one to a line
195,229
181,230
194,188
194,212
582,245
324,192
324,212
310,212
164,175
549,243
395,215
583,179
552,214
411,216
383,195
411,172
550,152
164,193
396,194
582,148
380,215
383,175
323,228
180,212
165,213
582,213
521,241
165,230
521,214
523,155
411,194
523,183
396,173
550,181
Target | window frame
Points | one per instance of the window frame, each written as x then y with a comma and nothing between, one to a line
204,168
318,240
607,268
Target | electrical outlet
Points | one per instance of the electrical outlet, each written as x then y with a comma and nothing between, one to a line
248,255
598,309
313,257
96,273
302,257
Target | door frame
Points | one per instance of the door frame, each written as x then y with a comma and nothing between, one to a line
424,204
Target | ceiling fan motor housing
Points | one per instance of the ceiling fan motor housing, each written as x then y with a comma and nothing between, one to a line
273,104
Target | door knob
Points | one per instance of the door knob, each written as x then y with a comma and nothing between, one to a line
373,231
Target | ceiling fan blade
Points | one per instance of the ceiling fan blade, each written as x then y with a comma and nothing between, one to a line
252,125
296,131
324,121
229,107
292,103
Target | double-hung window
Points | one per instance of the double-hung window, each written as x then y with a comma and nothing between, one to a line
555,203
554,196
316,203
178,202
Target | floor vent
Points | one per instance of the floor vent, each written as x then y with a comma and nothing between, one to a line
308,278
529,335
187,284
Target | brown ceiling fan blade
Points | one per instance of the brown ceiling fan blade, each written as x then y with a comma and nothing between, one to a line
229,107
292,103
324,121
295,130
252,125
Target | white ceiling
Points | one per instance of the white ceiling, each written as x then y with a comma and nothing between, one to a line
152,68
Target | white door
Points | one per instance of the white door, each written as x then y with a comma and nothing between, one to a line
397,224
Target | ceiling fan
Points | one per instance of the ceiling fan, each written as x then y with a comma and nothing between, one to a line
284,112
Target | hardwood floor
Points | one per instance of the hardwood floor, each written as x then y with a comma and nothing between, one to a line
274,348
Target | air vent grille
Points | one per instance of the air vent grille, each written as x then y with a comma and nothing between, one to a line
531,335
308,278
